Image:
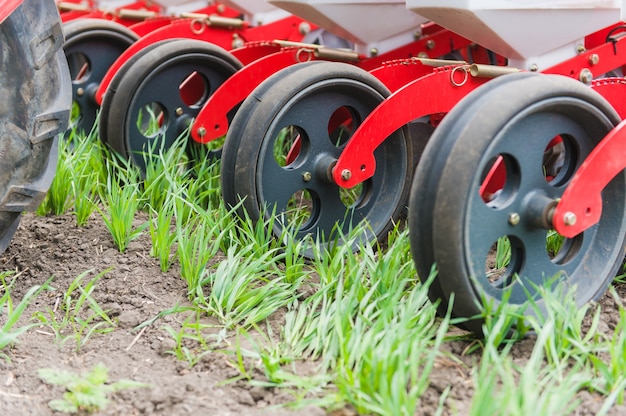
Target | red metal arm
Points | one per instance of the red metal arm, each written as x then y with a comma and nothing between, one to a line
581,204
211,122
430,94
177,29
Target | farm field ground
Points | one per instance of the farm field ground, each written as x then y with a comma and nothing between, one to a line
194,361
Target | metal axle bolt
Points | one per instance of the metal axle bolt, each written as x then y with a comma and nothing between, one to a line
306,176
346,174
80,92
586,76
514,218
569,218
179,111
201,132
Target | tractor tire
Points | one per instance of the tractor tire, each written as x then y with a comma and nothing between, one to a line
36,99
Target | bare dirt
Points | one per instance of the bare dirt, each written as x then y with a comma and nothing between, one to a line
134,290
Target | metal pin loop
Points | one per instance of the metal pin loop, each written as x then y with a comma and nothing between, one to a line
465,70
309,55
197,26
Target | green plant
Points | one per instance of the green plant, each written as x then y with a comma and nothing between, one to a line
88,392
120,197
10,313
191,343
504,387
79,313
58,198
612,371
163,238
243,289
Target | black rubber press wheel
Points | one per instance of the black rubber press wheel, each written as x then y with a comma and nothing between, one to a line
535,130
36,96
91,47
152,102
284,141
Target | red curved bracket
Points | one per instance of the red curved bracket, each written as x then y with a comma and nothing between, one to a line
212,117
252,51
177,29
430,94
150,25
614,90
286,29
398,73
71,15
581,204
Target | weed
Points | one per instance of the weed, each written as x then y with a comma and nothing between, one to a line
88,392
11,314
77,312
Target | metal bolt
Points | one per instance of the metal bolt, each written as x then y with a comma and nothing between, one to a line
80,92
373,52
221,8
201,131
594,58
179,111
534,67
304,28
306,176
430,44
237,41
346,174
580,48
569,218
514,218
586,76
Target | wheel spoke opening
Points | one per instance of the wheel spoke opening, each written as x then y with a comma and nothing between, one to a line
152,120
341,125
290,146
562,250
300,211
500,181
560,160
194,90
80,67
504,261
356,196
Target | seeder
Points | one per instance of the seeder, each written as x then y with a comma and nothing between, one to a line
526,155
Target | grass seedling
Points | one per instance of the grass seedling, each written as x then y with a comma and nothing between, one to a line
162,234
78,313
503,387
571,340
121,202
165,170
198,242
245,289
58,199
612,372
10,314
87,172
191,343
88,392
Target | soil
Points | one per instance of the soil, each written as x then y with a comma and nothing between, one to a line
135,290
